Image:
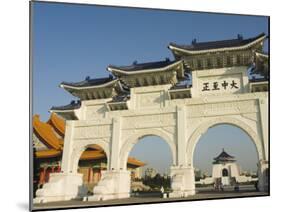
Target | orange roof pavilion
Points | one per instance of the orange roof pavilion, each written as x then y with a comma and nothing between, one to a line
52,133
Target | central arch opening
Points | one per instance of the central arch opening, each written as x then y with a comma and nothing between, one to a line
149,161
225,156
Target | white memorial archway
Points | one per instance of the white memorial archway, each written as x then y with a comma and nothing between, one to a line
154,99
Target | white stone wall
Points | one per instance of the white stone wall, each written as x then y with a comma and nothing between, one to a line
244,179
234,170
206,181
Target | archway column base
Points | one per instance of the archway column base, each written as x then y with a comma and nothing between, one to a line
112,185
263,175
61,187
183,183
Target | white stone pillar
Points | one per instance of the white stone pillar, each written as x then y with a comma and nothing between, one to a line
263,175
115,144
263,172
182,175
68,184
263,106
181,136
67,160
114,183
183,182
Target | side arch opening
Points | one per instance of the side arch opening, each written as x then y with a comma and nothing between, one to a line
149,157
225,155
92,161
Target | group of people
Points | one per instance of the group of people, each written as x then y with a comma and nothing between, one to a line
220,186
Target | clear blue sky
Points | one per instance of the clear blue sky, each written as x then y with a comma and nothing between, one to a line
71,42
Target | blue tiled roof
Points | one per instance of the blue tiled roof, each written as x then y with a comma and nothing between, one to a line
143,66
224,156
73,105
217,44
89,82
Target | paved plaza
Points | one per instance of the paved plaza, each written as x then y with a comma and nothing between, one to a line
201,194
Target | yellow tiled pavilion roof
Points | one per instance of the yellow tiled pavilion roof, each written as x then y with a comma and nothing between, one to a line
57,123
45,132
49,153
135,162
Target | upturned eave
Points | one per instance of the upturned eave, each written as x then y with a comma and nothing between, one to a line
146,71
108,84
236,48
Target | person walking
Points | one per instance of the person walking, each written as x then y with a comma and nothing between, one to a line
162,191
221,187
